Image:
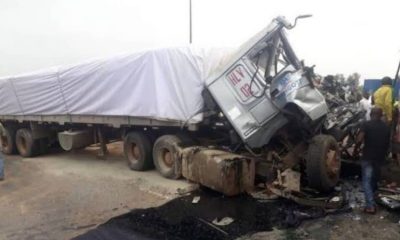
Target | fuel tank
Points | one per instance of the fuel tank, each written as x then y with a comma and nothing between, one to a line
219,170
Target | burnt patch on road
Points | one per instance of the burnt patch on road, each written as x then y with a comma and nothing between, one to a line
183,219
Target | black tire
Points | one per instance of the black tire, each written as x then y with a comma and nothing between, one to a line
138,151
7,140
323,163
165,156
26,145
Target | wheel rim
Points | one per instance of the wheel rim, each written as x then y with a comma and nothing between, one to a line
135,151
167,158
332,163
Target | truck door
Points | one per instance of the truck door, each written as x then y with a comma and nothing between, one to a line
242,94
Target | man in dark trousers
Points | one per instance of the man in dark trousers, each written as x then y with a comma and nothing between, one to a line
375,134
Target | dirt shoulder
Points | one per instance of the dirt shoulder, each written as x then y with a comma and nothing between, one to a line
61,195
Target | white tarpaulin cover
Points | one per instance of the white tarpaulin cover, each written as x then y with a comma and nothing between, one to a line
161,84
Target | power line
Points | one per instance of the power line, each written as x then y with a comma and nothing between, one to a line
190,21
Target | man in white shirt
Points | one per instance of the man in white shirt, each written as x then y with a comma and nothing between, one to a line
365,105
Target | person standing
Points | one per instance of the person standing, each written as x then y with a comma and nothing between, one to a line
365,105
383,98
375,134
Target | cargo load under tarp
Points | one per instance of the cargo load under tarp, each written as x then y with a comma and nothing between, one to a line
164,84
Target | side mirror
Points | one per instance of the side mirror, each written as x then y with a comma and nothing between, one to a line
304,16
298,17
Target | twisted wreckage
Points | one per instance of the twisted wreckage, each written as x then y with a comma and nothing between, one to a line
228,122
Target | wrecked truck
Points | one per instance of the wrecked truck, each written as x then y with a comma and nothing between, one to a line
252,117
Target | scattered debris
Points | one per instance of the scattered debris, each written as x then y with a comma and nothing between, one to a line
307,200
388,202
335,199
338,188
389,196
287,185
223,222
356,217
336,227
264,196
215,227
390,190
354,194
196,199
289,179
187,190
395,197
392,185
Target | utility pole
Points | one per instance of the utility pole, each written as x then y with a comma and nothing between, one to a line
396,76
190,21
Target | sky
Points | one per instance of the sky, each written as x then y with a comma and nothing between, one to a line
341,37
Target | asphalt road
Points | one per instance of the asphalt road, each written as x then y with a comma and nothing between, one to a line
62,195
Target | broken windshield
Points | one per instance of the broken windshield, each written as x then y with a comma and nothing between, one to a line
273,57
270,58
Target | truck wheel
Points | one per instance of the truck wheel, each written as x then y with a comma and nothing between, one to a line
26,145
7,140
323,163
165,156
137,149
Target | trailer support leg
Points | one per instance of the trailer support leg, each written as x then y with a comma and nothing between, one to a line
102,154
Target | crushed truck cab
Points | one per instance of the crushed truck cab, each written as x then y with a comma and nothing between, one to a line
267,96
263,80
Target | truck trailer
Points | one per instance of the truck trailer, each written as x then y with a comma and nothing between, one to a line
227,120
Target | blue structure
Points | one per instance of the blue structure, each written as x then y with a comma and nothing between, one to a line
371,85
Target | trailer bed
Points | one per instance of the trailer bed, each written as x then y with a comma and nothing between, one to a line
112,121
153,88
